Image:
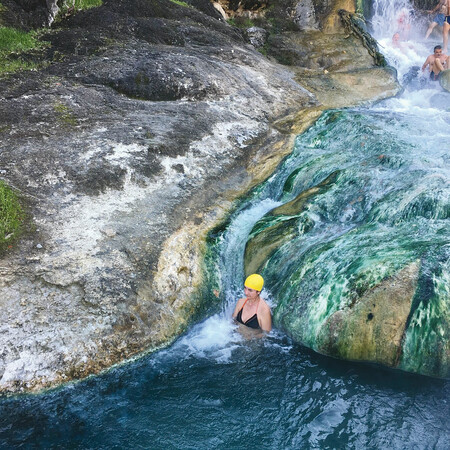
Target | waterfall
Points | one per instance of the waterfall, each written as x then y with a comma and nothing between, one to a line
363,199
398,16
390,16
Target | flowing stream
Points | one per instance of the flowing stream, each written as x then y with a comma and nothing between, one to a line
216,387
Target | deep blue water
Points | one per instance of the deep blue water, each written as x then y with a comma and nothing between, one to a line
215,388
264,393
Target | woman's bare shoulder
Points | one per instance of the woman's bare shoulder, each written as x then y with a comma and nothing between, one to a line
265,305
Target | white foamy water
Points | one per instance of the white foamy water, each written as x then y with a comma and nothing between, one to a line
215,338
234,245
398,16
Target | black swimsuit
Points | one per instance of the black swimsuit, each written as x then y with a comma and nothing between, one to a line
252,322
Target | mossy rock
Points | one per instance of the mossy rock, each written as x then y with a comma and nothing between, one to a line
11,216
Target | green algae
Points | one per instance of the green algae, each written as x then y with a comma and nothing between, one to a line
181,3
356,266
426,347
11,216
65,115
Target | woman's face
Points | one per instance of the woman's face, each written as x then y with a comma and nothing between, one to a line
250,293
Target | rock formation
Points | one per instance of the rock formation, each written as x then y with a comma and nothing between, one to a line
357,255
145,123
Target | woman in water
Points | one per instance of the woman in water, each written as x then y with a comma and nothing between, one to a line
252,310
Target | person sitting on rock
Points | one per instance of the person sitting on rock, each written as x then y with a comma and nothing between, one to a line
437,62
439,18
252,311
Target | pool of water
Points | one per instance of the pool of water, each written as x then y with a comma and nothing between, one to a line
219,387
216,388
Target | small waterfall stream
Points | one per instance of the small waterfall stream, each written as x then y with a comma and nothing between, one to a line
217,388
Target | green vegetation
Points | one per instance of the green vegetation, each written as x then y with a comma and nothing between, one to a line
264,50
13,45
241,22
86,4
11,216
80,5
70,7
181,3
65,115
13,40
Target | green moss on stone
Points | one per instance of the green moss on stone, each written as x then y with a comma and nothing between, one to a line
65,115
181,3
11,216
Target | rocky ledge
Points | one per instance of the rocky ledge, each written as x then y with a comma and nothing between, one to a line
149,120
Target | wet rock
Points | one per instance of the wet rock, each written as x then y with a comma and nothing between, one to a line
150,119
441,100
444,80
373,328
257,36
353,276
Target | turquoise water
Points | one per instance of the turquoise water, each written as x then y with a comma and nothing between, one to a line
261,393
217,387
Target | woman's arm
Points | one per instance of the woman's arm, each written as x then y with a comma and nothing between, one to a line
264,316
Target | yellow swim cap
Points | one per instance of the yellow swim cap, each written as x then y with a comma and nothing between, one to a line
255,282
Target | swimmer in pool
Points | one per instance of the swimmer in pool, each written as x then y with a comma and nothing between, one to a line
252,311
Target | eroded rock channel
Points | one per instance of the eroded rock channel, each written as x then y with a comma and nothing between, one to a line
149,120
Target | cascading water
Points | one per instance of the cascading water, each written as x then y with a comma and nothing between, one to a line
351,180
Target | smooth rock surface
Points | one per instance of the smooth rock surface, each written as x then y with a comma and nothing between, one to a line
444,80
150,120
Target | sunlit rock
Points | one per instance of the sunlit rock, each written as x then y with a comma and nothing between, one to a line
148,122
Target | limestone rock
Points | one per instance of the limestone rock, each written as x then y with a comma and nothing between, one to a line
373,327
149,120
444,80
257,36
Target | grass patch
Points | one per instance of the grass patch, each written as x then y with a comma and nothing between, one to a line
11,216
241,22
13,44
65,115
74,6
181,3
80,5
13,40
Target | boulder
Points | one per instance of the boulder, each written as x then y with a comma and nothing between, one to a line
356,255
444,80
148,121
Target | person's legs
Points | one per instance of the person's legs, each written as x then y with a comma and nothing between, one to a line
437,66
445,33
430,29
